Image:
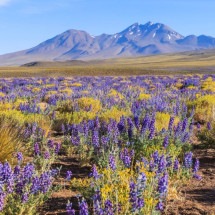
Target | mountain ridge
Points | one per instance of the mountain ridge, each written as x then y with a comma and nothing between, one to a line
135,40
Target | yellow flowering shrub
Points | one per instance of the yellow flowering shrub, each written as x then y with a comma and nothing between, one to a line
204,106
89,103
144,96
75,117
21,118
113,113
2,94
208,85
5,106
67,91
76,84
36,90
115,94
162,121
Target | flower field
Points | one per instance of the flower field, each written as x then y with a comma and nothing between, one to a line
136,134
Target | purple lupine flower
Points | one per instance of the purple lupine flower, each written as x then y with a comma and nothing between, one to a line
188,160
163,184
159,206
126,157
141,183
54,172
133,195
2,199
104,140
109,207
25,197
209,126
136,202
10,184
198,126
168,161
97,123
171,122
97,203
47,155
95,139
161,164
178,129
95,173
152,129
196,166
112,163
166,142
176,165
140,203
130,128
83,208
16,170
184,125
6,172
155,157
196,176
136,122
50,144
20,186
28,171
35,187
19,156
36,149
121,124
45,182
145,124
85,129
185,138
115,133
69,209
68,175
57,148
75,140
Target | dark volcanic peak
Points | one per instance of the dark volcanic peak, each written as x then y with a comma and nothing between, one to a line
137,39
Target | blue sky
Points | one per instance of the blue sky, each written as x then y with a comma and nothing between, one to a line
25,23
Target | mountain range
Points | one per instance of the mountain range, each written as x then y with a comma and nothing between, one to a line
136,40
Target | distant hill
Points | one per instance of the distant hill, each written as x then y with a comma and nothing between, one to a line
55,64
136,40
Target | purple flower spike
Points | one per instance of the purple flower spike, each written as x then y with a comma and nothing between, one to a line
176,165
24,197
19,156
196,166
68,175
69,209
47,155
94,173
36,149
112,162
163,184
159,206
83,208
166,142
188,160
57,148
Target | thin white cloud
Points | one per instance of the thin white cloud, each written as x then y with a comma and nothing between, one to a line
4,2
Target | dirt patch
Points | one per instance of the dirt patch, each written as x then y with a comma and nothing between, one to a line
57,203
198,197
